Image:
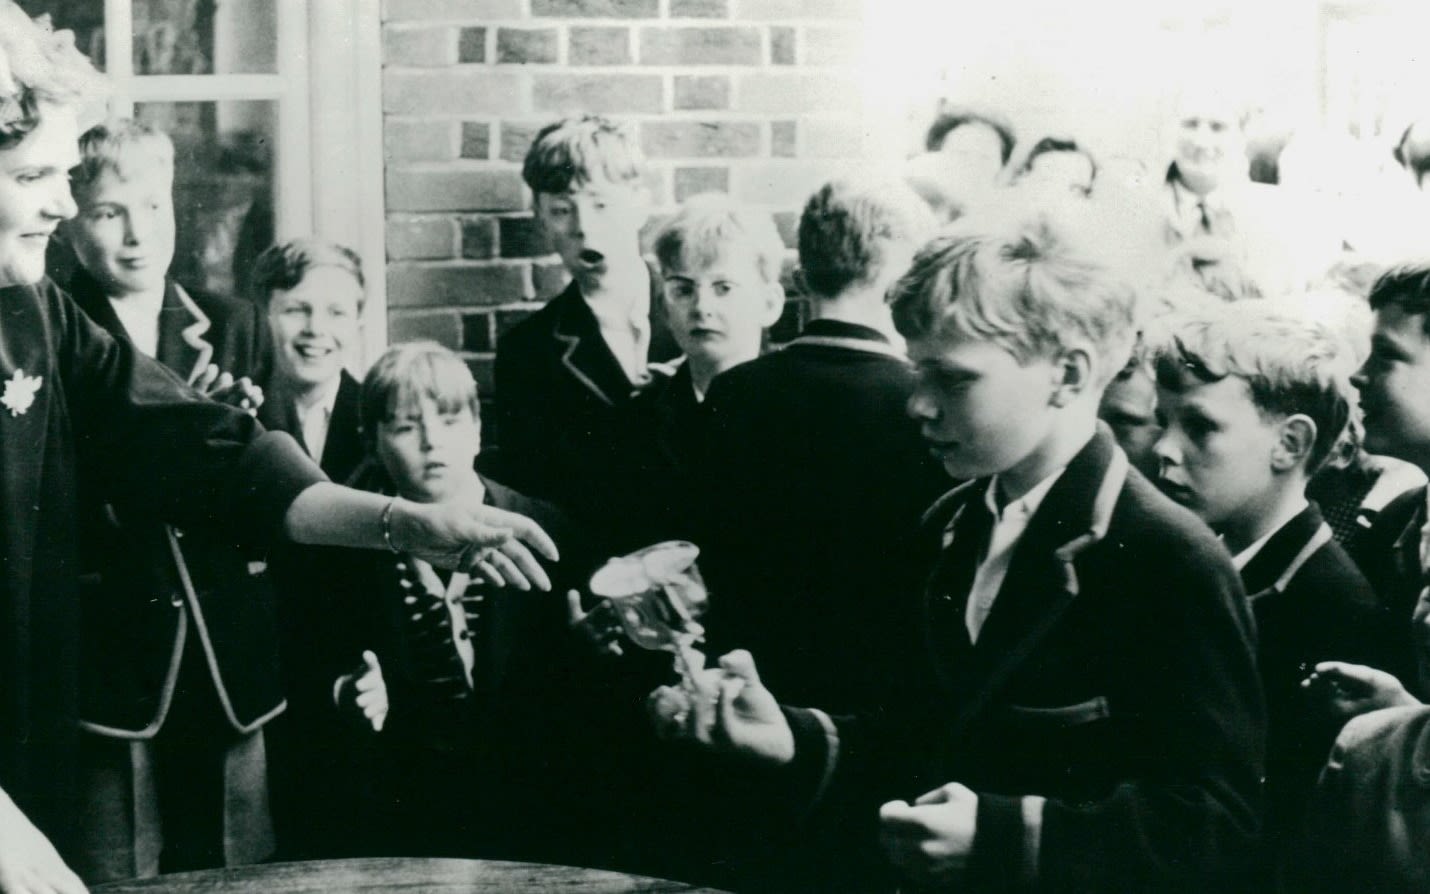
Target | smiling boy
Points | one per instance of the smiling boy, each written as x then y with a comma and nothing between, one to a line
1253,398
1094,719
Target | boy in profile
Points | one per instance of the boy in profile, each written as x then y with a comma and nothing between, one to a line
812,477
1083,731
566,374
1254,398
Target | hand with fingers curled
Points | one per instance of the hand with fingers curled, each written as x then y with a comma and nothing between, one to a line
362,694
494,544
1349,690
726,709
929,841
224,388
599,628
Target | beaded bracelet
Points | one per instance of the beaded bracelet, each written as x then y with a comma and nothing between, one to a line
386,523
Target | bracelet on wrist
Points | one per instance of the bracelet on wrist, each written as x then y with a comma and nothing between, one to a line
386,522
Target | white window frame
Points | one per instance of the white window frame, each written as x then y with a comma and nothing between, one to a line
328,173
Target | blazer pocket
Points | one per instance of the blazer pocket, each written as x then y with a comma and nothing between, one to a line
1063,715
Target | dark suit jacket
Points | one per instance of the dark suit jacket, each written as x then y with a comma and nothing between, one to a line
443,771
147,588
139,438
812,481
670,424
561,395
1115,676
1311,604
1389,556
343,452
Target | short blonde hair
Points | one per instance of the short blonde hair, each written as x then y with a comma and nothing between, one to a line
38,65
1291,363
284,265
123,147
408,372
1032,284
704,224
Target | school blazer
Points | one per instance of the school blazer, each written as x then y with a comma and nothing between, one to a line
561,395
343,452
148,588
130,429
1115,677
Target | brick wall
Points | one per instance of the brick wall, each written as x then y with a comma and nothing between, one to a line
760,98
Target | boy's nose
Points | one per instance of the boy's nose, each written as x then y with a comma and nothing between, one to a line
919,406
61,205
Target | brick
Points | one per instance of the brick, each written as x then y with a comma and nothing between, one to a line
416,140
419,238
795,93
832,46
527,46
477,333
604,9
786,184
505,319
418,46
479,238
523,237
444,328
783,137
516,139
700,139
832,138
770,10
655,185
599,46
461,190
702,92
700,46
693,181
450,92
484,371
476,139
782,46
547,280
787,222
472,45
439,10
465,285
699,9
563,94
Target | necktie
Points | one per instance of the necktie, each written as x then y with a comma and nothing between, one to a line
965,542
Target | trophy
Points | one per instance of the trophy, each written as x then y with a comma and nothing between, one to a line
657,598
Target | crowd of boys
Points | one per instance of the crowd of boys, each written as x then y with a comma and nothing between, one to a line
1014,585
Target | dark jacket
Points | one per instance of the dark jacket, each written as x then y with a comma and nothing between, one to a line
1115,676
812,481
670,422
451,761
141,439
1389,555
149,588
1369,819
561,395
343,451
1311,604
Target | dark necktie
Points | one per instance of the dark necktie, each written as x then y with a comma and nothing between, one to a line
953,579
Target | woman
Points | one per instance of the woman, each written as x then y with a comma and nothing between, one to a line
76,402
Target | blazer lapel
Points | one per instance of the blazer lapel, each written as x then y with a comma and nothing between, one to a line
344,449
585,354
1042,580
23,434
183,329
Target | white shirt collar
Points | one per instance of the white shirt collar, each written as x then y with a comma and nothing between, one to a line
314,418
139,314
1025,505
1243,558
626,328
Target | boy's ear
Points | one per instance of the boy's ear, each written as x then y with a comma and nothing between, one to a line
774,305
1074,376
1294,443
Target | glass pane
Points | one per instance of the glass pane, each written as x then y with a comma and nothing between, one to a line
84,17
223,187
184,37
